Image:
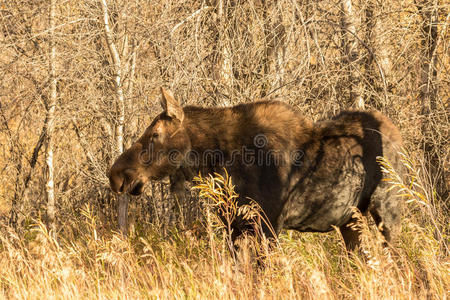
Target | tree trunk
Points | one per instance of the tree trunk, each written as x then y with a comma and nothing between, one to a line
428,97
377,64
117,70
350,47
51,107
120,108
427,89
274,33
223,72
132,127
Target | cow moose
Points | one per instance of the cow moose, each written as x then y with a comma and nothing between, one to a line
305,176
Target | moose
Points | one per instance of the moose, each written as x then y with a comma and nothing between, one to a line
304,175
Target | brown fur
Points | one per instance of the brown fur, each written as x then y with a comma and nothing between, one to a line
323,169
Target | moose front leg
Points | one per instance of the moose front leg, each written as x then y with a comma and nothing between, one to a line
178,190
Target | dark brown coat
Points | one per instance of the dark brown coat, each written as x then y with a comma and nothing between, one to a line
306,176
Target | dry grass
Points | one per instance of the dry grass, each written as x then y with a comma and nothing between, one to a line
89,264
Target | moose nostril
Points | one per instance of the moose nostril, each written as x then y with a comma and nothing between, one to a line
122,186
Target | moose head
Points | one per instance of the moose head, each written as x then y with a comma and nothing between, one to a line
156,154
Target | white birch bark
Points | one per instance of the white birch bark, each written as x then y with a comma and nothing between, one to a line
275,48
225,64
51,107
120,101
120,108
350,45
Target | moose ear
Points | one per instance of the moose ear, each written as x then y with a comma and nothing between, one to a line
170,105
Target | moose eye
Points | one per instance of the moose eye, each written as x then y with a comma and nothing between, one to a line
155,135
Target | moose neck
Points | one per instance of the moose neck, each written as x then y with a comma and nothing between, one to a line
208,127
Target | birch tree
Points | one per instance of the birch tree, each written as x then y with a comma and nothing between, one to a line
119,104
224,63
351,53
50,118
117,78
274,33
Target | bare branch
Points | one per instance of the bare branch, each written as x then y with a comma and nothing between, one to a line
187,19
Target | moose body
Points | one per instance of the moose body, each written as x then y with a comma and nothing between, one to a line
305,176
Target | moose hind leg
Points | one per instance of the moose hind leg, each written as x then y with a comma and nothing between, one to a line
386,210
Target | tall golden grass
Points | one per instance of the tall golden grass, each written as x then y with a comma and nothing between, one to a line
89,263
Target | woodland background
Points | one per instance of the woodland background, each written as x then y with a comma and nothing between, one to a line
79,82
